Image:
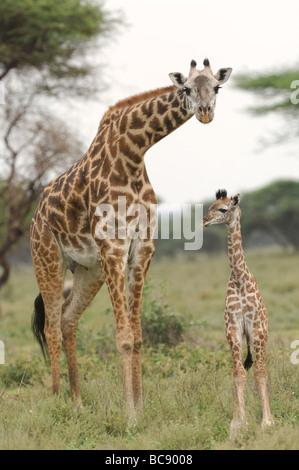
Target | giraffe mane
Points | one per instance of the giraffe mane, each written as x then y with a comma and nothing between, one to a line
131,100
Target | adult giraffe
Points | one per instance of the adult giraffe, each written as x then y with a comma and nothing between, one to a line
64,231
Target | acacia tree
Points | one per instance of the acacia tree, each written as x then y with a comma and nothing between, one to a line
279,93
44,47
51,36
274,209
36,146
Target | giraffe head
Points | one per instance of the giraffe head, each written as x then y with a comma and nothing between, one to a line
201,88
225,210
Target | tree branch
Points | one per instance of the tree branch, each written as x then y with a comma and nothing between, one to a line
6,270
8,67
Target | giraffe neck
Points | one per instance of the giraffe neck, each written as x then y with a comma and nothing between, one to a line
129,128
238,265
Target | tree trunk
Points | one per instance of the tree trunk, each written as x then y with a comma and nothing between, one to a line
5,271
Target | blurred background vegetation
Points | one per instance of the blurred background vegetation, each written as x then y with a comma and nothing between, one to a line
270,216
48,49
51,49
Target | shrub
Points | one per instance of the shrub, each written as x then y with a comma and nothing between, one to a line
159,324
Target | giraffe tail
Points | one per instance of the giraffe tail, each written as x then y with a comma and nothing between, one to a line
248,361
38,325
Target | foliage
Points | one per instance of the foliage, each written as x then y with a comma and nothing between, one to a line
273,209
159,324
272,87
44,46
22,373
276,94
45,151
269,215
188,388
50,36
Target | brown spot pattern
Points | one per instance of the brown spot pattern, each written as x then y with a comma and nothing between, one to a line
63,232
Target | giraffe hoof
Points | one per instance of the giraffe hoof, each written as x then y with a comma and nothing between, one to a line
78,405
237,426
267,423
132,422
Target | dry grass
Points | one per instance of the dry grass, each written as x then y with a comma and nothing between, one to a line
188,389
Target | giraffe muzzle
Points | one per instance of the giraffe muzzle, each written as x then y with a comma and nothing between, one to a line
205,114
204,118
205,222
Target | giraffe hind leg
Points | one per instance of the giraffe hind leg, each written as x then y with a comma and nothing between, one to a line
86,285
260,376
50,270
47,330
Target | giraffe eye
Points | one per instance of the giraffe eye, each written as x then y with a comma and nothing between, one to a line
223,210
187,90
216,89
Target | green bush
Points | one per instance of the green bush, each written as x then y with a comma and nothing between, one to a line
20,373
159,324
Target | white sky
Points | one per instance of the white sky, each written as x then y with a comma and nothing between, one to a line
163,36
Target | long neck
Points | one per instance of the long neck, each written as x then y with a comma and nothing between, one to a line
134,125
238,265
158,116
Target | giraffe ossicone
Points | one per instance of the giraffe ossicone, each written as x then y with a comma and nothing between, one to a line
245,313
64,227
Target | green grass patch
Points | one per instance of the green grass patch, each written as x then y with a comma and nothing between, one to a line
187,369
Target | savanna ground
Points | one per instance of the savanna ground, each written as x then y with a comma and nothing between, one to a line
188,386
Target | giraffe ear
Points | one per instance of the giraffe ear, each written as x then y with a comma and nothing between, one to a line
235,201
223,75
178,79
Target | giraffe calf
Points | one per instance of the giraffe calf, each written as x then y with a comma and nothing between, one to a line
245,312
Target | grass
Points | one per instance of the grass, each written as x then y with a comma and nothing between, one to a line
188,386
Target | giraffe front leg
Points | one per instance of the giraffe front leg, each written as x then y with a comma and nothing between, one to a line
139,261
114,261
234,338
